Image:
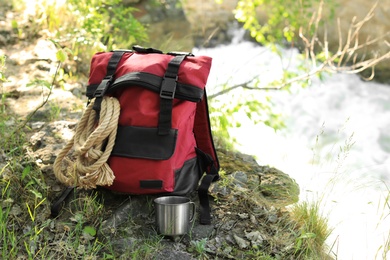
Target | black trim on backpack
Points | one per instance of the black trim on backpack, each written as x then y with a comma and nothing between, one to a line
151,82
144,142
207,165
188,173
207,157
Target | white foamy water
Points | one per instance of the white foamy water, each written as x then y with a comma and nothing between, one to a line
336,143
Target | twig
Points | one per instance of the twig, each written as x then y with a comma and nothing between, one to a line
44,102
240,85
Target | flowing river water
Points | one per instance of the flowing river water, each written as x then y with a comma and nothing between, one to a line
336,143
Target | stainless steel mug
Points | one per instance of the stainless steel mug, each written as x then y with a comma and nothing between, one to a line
173,215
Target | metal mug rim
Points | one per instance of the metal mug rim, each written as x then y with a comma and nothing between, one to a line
187,200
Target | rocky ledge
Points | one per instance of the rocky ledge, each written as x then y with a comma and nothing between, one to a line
248,208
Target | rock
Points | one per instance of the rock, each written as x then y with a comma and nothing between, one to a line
210,21
242,243
173,253
255,238
199,232
15,210
3,40
272,218
240,178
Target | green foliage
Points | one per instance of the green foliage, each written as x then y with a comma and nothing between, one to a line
2,68
244,106
282,21
199,247
86,26
2,79
108,23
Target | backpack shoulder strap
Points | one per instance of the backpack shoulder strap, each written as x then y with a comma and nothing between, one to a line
207,157
107,81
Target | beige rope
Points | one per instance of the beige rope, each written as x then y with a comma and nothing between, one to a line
90,167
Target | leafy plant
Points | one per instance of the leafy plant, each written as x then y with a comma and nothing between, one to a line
2,68
86,26
99,25
284,18
144,249
225,116
199,247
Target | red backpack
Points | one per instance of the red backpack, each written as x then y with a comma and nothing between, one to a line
163,142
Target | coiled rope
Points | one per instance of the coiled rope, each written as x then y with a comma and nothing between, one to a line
93,143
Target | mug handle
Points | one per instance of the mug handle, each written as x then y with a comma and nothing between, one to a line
193,211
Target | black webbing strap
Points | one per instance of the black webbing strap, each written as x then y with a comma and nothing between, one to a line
167,93
207,164
59,201
107,81
141,49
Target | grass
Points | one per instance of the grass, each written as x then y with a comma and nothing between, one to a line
313,231
384,250
26,228
314,225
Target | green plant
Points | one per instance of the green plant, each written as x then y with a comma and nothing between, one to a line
2,79
144,249
80,238
284,18
2,68
245,106
54,112
199,248
313,231
23,196
8,238
98,26
225,179
86,26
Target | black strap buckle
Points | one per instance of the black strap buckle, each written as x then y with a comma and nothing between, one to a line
103,86
168,87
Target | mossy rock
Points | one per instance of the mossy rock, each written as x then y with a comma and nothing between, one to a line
279,187
275,188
